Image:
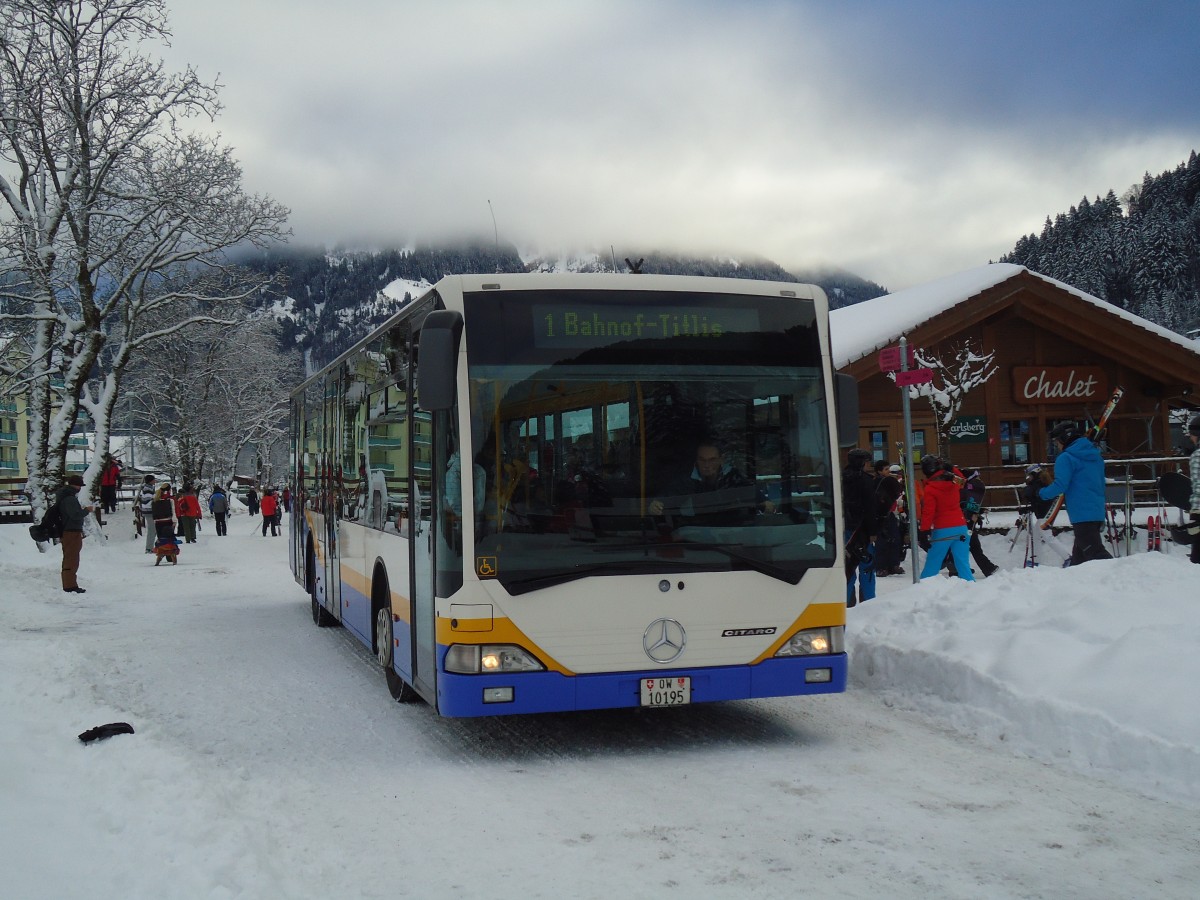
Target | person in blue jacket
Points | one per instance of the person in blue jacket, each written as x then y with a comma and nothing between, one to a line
1079,474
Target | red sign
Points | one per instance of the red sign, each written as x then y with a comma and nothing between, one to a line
1058,384
889,358
914,376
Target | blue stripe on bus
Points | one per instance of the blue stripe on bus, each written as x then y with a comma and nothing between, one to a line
536,692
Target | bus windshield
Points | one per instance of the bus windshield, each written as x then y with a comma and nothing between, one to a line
615,433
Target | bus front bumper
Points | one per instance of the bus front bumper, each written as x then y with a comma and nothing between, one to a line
541,692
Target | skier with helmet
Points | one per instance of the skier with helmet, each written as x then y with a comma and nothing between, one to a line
1038,476
1194,472
943,529
858,508
1079,475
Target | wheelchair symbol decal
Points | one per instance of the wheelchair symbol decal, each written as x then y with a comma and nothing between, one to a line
485,566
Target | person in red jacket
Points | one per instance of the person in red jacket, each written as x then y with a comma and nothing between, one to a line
110,483
187,507
943,528
269,506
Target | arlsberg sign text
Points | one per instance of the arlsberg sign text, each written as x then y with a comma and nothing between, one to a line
1062,384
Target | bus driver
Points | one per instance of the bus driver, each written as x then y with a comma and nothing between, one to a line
712,474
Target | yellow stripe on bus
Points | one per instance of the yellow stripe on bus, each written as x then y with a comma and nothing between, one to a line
503,631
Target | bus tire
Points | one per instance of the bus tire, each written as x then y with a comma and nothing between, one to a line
400,690
321,616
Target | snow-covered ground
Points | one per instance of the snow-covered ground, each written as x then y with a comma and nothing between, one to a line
1032,735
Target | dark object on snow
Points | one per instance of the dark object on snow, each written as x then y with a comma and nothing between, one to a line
106,731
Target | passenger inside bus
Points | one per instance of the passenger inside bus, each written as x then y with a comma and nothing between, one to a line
715,493
454,493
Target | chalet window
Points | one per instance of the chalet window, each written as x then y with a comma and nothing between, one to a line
879,445
916,444
1051,424
1014,442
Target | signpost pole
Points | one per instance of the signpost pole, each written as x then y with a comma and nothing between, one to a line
909,484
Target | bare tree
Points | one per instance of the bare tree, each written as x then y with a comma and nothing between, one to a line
951,383
203,395
110,211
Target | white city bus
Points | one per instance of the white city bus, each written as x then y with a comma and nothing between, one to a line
500,491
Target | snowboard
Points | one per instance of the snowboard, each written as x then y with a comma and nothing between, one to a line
1176,489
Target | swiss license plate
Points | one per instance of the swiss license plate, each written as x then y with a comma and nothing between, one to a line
676,691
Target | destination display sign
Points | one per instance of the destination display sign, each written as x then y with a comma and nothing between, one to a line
585,325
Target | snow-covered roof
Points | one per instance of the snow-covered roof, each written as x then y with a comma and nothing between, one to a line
865,327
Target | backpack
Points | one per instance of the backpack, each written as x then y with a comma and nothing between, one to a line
971,494
218,503
50,527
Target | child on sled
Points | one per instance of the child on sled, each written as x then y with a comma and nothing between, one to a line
166,546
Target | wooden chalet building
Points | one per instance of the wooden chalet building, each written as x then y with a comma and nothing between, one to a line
1059,352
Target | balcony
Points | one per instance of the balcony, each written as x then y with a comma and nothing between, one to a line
8,438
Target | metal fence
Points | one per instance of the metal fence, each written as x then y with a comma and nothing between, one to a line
1131,483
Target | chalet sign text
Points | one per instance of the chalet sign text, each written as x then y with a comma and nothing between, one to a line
1058,384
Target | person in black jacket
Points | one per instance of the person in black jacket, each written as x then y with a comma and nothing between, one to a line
971,495
861,525
1037,476
73,515
889,543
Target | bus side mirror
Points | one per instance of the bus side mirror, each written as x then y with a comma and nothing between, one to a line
437,360
845,391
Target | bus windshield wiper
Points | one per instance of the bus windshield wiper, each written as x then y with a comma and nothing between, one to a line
791,576
616,567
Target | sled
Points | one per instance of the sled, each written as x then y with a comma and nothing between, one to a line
165,545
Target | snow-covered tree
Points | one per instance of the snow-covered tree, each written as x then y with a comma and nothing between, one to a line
952,381
111,211
203,395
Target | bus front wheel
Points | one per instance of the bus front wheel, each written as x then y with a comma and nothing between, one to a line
384,642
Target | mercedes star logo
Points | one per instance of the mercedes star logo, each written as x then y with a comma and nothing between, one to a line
664,640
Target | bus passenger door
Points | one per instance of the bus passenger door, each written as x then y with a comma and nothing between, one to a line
423,483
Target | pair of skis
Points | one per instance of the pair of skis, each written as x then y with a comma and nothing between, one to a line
1154,533
1114,532
1093,434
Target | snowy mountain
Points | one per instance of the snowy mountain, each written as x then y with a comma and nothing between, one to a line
330,300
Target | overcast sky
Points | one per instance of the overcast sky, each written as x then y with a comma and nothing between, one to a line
902,141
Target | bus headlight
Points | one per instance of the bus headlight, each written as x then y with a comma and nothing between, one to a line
815,642
473,659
